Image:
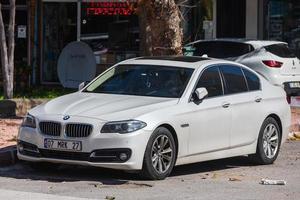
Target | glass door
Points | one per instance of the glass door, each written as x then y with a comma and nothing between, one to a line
59,27
283,22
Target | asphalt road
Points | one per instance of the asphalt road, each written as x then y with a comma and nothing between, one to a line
234,178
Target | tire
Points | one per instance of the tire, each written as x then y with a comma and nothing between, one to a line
267,151
161,167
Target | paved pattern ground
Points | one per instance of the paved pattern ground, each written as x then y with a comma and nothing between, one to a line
234,178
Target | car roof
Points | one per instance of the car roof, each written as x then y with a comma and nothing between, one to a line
254,43
189,59
193,62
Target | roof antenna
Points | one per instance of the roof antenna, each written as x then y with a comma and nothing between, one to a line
204,56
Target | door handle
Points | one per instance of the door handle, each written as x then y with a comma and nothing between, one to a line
225,105
258,99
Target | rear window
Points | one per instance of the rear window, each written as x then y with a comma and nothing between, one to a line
234,79
252,80
281,50
221,49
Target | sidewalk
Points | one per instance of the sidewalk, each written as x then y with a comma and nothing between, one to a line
13,195
8,131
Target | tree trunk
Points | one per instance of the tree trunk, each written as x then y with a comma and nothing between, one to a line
160,31
7,48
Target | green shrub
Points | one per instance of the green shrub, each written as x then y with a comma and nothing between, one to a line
41,92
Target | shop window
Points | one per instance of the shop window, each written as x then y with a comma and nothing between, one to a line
198,20
18,2
231,18
20,34
283,22
59,29
111,30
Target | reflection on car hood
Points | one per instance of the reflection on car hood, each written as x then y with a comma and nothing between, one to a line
103,106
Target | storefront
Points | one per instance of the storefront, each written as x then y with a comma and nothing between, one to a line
109,28
283,22
258,19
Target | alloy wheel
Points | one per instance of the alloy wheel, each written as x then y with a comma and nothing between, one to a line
162,154
270,140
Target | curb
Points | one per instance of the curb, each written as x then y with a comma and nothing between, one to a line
8,156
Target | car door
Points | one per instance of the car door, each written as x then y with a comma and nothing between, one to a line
243,88
210,120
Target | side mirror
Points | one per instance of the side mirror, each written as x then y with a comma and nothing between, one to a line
200,94
82,85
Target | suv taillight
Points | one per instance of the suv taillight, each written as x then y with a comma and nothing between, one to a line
288,99
272,63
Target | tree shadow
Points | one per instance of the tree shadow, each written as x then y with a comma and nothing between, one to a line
215,165
8,148
109,177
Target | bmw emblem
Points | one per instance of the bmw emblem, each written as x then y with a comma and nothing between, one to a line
66,117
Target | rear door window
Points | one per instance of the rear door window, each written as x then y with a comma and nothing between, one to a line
281,50
253,81
234,79
222,49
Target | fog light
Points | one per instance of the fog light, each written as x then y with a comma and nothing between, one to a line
21,148
123,156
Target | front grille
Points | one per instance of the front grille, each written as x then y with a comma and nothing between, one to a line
50,128
78,130
65,155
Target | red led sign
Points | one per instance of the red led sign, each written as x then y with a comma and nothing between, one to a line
110,8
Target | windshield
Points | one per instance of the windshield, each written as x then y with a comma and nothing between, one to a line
142,80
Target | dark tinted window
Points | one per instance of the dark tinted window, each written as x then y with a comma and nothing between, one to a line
210,79
221,49
252,80
281,50
18,2
234,79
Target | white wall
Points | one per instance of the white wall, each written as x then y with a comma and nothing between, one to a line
251,19
214,19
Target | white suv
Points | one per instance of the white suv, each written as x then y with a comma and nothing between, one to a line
272,59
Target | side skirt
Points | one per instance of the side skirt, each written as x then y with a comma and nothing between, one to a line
225,153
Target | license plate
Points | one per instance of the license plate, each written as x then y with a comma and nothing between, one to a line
295,85
65,145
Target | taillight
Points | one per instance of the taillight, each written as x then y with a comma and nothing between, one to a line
272,63
288,99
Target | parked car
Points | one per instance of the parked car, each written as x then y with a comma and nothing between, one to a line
152,113
272,59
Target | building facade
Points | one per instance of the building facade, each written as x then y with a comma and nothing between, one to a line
111,28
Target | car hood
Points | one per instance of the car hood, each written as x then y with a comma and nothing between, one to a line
106,107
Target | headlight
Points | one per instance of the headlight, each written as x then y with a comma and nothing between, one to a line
29,121
123,126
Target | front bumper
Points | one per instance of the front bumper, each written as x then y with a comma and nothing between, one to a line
94,149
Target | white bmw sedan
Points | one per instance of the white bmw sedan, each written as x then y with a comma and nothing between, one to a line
152,113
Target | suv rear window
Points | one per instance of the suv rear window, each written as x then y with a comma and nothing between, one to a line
281,50
222,49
